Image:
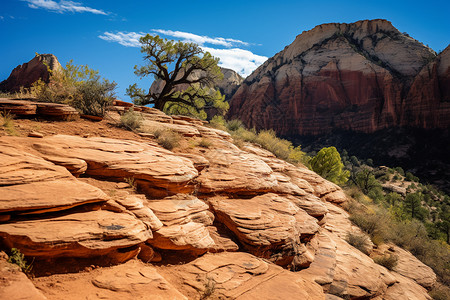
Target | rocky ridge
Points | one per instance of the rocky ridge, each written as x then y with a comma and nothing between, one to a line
363,76
26,74
216,221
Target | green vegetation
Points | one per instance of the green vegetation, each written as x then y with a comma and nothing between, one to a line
17,258
131,120
7,121
187,75
204,143
327,163
359,241
168,139
267,139
389,261
78,86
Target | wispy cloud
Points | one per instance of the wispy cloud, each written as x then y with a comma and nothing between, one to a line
240,60
127,39
2,17
63,6
200,39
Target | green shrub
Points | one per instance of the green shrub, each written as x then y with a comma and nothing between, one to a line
78,86
167,138
17,258
8,122
94,96
359,241
205,143
234,125
131,120
389,261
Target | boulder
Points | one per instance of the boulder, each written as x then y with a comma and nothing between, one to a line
186,220
268,226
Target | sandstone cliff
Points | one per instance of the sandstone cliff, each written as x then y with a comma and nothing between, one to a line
130,219
25,75
359,76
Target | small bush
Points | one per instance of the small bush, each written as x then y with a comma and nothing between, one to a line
218,122
131,120
210,287
167,138
78,86
132,182
440,292
234,125
389,261
205,143
94,96
18,258
359,241
8,122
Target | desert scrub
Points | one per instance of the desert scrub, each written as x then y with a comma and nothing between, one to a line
168,139
267,139
7,121
18,258
131,120
389,261
78,86
205,143
359,241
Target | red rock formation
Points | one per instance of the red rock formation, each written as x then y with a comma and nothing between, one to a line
427,104
347,76
25,75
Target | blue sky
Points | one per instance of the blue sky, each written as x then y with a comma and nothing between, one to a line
103,33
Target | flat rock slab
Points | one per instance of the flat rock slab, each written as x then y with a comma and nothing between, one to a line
14,284
48,195
29,182
132,280
409,266
235,172
119,159
269,226
240,276
84,234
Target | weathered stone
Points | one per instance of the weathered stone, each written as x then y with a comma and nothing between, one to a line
14,284
86,234
341,76
241,276
25,75
185,220
118,159
132,280
268,226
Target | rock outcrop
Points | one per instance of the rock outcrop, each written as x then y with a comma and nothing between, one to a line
25,75
346,76
222,221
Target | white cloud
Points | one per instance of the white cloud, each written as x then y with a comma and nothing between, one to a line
128,39
1,17
63,6
199,39
240,60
